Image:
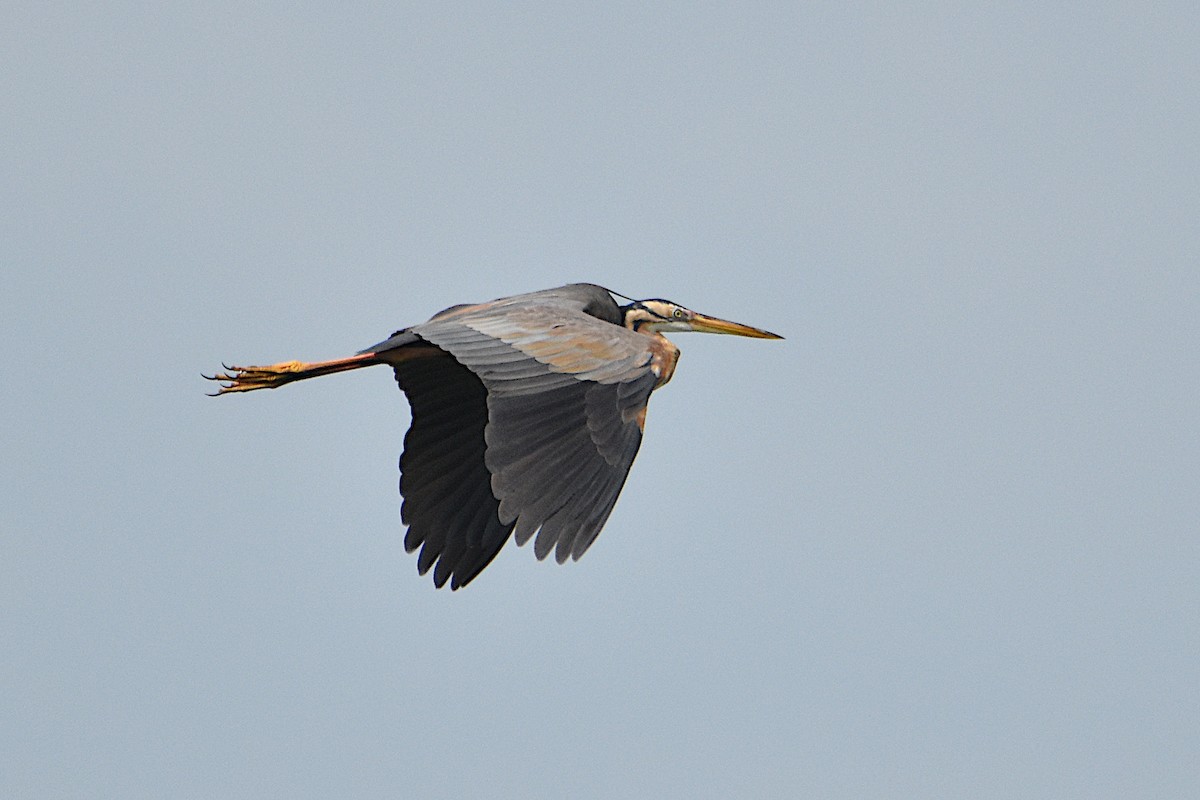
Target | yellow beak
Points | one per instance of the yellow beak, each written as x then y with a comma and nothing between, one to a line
706,324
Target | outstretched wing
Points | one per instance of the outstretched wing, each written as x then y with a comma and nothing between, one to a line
448,505
529,426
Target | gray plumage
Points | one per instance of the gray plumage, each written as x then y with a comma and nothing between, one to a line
529,425
527,413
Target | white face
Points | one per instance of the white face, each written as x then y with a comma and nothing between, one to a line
669,317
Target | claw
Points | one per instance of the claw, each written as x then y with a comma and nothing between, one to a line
272,376
246,379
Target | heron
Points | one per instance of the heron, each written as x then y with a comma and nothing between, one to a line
527,413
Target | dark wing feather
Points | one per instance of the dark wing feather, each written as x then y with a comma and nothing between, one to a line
564,391
448,504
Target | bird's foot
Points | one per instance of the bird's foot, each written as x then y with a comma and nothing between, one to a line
247,379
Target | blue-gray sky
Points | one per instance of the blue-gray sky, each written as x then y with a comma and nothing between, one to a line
940,542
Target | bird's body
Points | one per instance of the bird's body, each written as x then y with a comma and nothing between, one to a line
527,413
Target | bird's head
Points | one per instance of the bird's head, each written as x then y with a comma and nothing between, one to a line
663,316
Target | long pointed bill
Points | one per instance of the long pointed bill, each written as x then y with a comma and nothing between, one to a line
705,324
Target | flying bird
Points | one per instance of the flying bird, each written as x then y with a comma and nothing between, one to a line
527,413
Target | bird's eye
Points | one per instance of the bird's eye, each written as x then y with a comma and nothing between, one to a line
677,313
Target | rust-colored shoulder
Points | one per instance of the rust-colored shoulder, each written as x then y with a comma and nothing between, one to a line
664,356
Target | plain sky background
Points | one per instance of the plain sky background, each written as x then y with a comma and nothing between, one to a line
940,542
